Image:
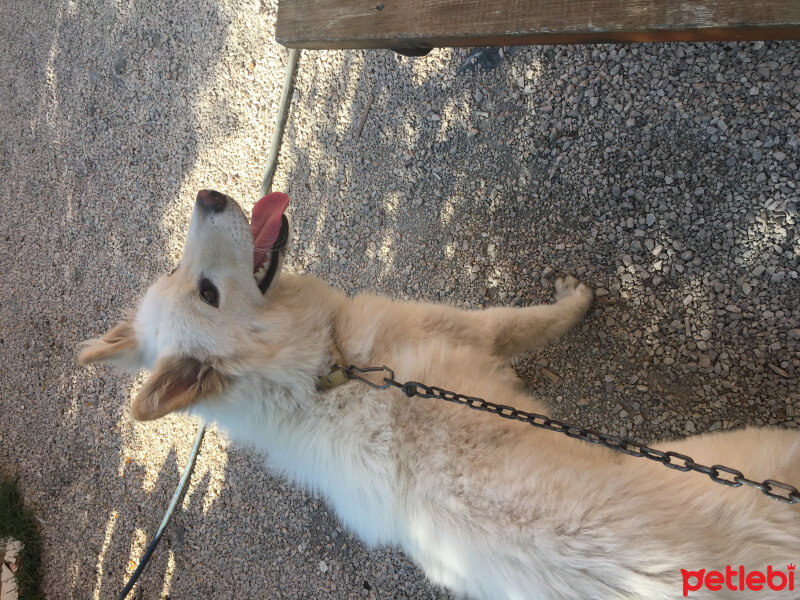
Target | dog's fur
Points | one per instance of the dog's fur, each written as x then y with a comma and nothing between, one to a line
487,507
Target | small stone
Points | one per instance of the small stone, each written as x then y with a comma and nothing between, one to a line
323,566
650,219
689,427
776,369
550,375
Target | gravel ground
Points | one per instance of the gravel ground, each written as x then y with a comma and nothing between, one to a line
663,175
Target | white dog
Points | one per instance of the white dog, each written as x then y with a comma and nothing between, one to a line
488,507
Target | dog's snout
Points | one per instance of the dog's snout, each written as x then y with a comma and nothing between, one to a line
211,200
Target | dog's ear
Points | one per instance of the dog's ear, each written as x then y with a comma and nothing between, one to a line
176,383
118,345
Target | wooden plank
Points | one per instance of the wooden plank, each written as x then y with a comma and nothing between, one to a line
320,24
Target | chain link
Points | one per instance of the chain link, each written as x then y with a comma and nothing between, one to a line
783,492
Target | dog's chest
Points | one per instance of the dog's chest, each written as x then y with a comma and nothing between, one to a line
339,444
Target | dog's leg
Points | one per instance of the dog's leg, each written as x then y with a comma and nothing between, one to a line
501,332
516,330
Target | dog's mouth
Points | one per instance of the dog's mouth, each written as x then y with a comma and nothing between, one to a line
270,230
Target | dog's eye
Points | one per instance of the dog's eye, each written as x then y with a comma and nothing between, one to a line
209,293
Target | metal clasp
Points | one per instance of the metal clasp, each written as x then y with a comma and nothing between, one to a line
354,372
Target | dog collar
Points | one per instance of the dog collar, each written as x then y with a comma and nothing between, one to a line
337,375
335,378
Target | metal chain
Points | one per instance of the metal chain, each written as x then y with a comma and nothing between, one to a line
783,492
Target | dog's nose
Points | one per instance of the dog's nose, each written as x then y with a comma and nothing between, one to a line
211,200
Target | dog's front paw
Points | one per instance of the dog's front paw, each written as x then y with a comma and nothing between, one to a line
569,286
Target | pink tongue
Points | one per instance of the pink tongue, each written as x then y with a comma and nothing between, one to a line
265,225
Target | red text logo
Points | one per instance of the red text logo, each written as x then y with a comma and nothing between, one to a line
739,580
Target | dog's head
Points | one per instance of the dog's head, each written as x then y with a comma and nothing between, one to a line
193,323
